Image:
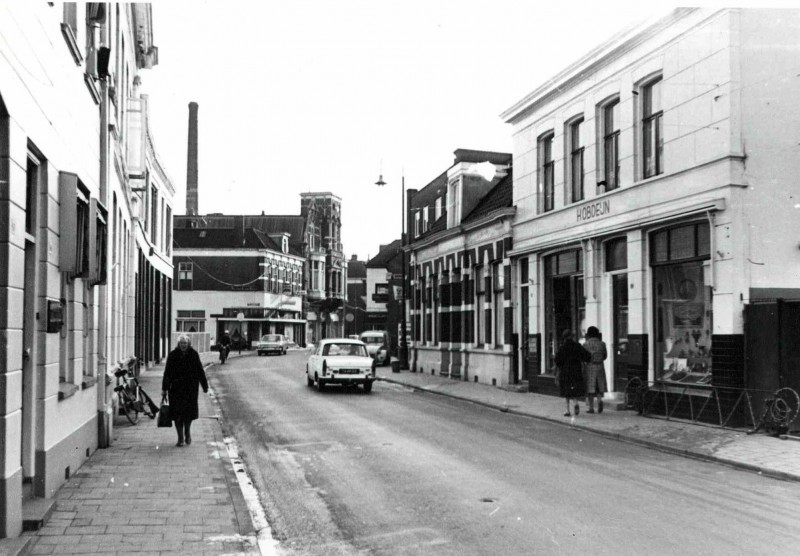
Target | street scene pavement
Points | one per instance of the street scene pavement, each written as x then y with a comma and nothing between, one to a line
143,495
758,452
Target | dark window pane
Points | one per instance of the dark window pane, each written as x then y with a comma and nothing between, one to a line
523,271
660,248
617,254
681,243
703,240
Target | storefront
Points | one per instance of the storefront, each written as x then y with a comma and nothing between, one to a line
564,299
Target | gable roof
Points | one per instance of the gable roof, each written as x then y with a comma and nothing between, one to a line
388,257
219,238
356,269
500,196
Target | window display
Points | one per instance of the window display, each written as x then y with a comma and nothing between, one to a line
683,342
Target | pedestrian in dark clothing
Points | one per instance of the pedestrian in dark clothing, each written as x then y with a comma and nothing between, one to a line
183,375
569,360
595,369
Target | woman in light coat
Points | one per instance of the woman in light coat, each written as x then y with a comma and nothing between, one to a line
595,369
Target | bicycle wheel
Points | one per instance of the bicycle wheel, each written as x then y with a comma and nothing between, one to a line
149,408
126,403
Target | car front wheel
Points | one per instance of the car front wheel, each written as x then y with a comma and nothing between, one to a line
320,385
309,381
368,386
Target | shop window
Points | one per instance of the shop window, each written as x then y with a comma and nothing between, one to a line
652,135
564,298
547,171
682,305
185,276
575,170
609,114
616,251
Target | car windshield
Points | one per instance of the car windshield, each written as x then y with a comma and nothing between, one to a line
372,339
271,338
344,349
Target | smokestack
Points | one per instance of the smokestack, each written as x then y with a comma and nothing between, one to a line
191,163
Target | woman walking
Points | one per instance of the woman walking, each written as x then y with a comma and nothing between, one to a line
183,375
595,369
569,360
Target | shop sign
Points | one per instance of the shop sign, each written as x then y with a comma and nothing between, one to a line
594,210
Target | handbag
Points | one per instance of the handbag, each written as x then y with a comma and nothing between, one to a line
164,417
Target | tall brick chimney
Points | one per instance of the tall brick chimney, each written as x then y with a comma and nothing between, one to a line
191,163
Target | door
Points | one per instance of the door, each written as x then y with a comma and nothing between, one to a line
28,453
619,340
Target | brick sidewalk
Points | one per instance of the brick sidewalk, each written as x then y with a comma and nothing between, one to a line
144,495
760,453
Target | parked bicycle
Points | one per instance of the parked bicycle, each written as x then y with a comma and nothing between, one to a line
132,397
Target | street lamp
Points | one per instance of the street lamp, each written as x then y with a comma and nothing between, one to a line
402,351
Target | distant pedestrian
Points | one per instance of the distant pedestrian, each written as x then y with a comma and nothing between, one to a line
183,375
569,360
595,369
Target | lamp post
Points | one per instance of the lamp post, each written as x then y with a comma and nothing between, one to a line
402,350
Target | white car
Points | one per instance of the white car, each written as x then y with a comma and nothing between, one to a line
377,342
272,343
340,361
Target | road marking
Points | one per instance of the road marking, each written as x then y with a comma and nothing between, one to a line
267,545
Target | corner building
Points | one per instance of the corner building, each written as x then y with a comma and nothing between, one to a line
656,195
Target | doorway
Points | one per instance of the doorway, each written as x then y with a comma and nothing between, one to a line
29,299
619,325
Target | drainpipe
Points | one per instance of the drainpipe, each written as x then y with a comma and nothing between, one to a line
104,401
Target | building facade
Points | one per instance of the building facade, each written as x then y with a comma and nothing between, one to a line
326,286
356,306
460,235
656,197
235,278
384,292
73,143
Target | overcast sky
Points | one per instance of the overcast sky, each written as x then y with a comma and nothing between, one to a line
321,95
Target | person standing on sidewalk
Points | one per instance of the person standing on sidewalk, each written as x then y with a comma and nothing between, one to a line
183,375
569,360
595,369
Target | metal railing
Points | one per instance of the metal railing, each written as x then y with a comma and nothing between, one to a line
725,407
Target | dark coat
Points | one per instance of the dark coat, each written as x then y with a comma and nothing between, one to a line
569,360
595,369
182,376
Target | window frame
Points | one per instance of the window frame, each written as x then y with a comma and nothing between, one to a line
185,274
576,157
652,144
546,170
610,132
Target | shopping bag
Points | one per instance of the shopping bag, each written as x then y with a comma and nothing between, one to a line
164,417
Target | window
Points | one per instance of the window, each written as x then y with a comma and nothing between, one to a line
71,30
575,160
425,222
154,216
616,251
685,242
652,137
417,227
546,171
498,285
437,212
190,321
185,272
610,158
168,230
454,195
480,309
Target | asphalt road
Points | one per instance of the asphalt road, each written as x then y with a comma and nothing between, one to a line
401,472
